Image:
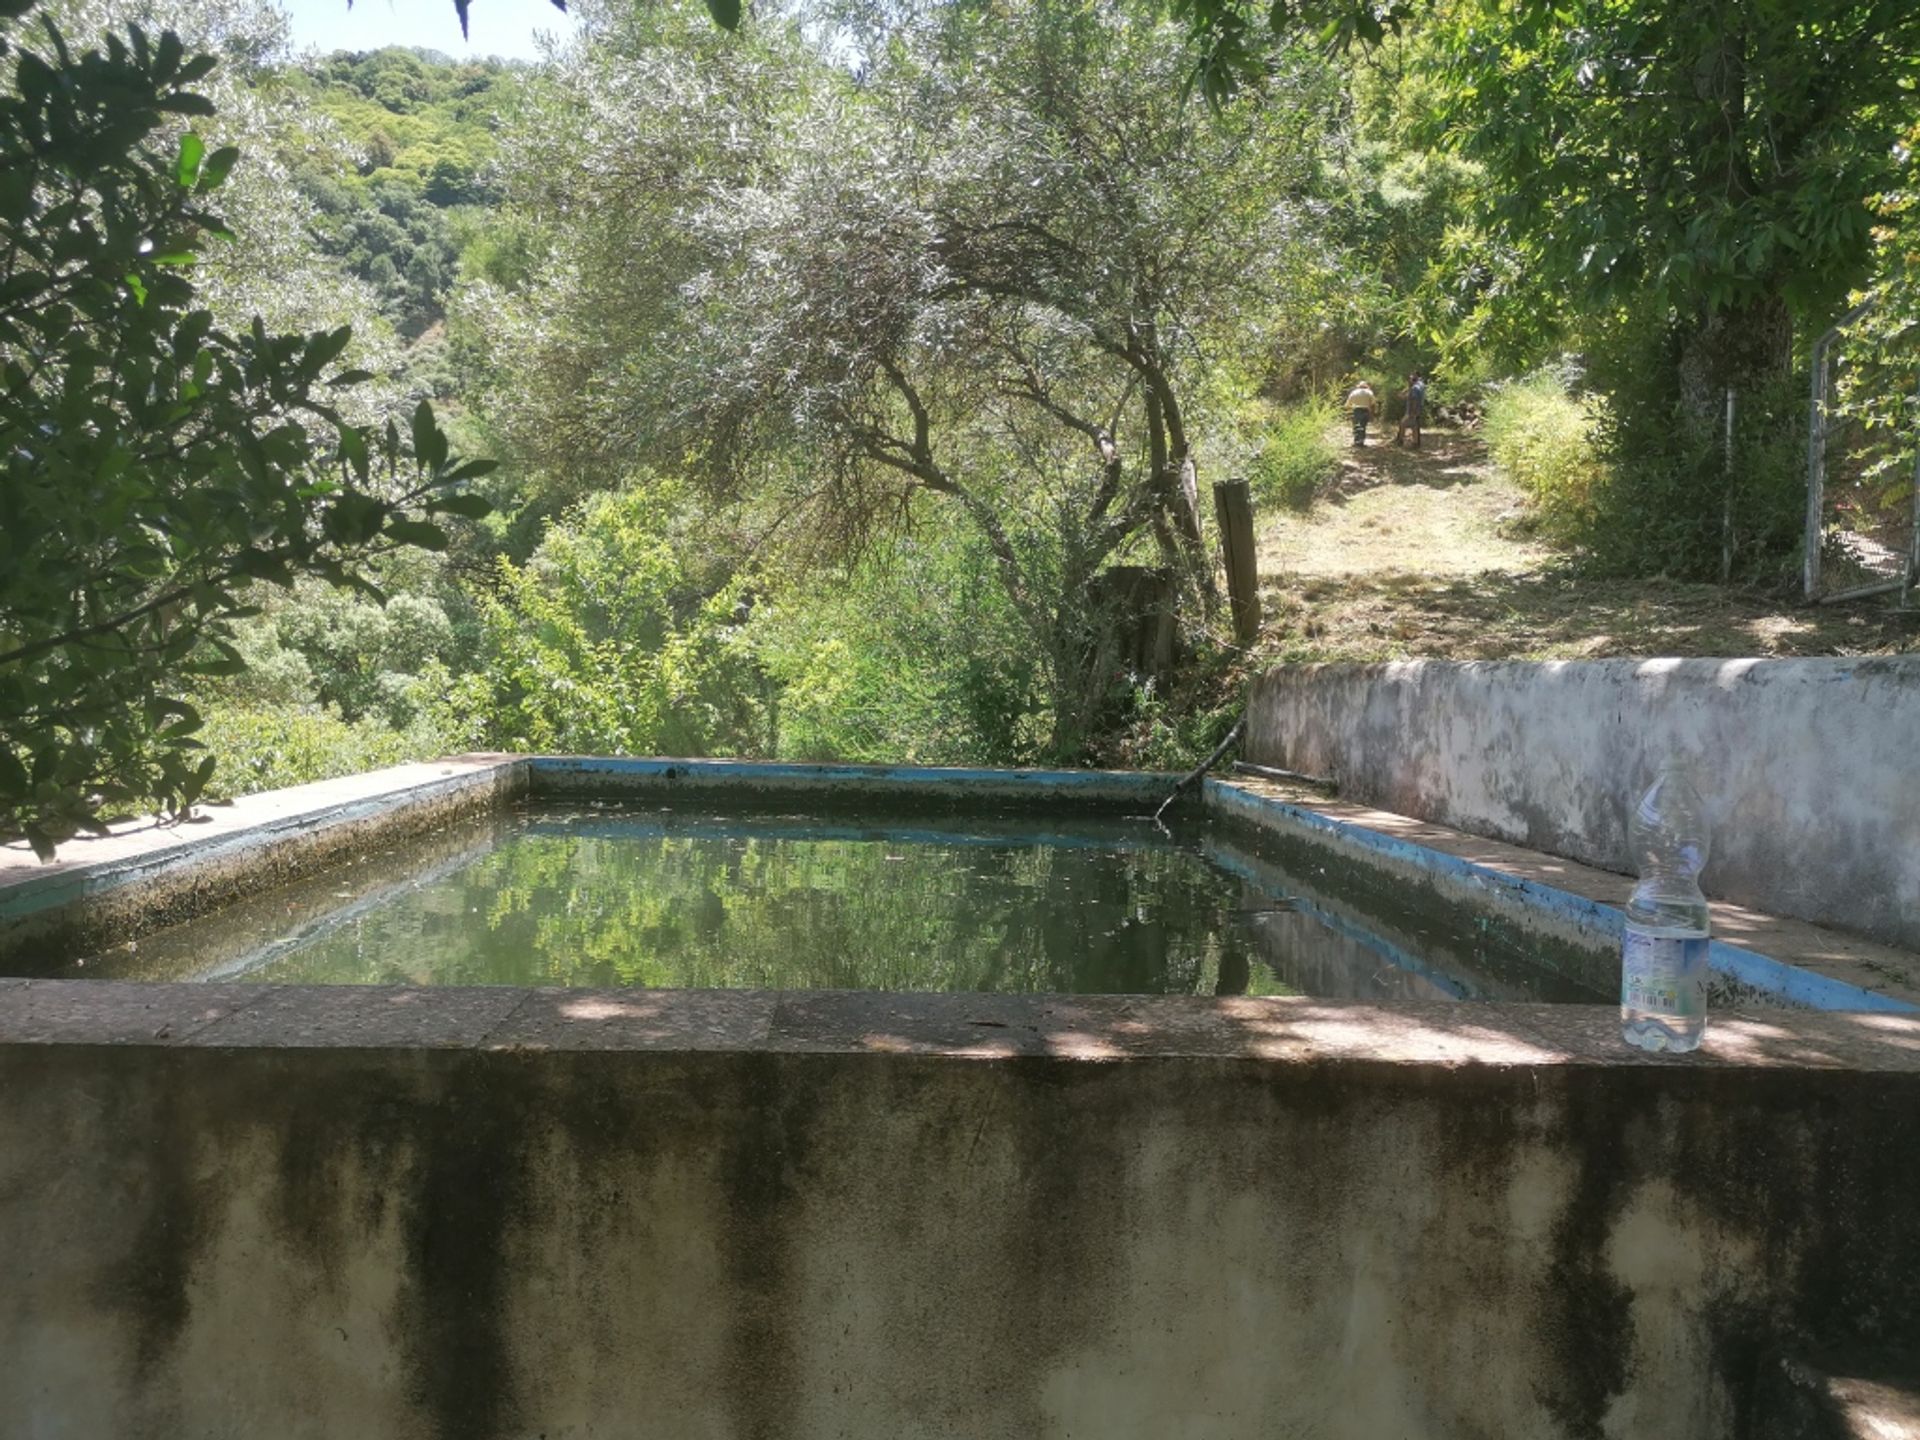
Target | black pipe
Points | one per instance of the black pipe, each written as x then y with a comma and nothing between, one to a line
1274,772
1188,781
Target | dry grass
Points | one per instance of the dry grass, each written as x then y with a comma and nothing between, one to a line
1424,554
1442,510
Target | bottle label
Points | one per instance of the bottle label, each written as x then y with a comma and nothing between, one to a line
1665,974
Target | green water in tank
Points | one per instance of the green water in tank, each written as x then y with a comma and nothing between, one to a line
600,896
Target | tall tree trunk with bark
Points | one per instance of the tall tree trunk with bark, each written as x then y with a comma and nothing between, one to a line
1175,477
1746,350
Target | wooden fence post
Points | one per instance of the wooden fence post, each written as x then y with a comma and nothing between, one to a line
1233,507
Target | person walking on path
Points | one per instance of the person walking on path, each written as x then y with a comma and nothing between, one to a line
1360,402
1414,412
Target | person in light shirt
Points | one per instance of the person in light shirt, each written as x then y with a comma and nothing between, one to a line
1360,403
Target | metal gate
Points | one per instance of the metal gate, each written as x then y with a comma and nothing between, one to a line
1862,530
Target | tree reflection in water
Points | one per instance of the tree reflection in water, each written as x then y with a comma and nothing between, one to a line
667,901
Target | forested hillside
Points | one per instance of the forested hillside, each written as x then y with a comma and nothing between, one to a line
857,378
418,188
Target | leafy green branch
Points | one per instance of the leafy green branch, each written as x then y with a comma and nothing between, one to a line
153,465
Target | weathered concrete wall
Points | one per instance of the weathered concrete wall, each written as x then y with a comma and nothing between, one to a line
1811,768
103,890
237,1212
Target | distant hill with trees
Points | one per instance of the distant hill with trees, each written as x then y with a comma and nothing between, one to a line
404,185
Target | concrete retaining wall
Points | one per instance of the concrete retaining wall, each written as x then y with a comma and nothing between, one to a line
233,1211
102,890
1811,768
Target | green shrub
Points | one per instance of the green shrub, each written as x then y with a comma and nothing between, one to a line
1172,737
612,640
1637,485
1297,454
1676,503
266,749
915,656
1547,440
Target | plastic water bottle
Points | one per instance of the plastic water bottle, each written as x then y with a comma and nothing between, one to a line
1663,963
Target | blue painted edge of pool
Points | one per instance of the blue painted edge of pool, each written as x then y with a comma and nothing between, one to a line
1129,784
1395,956
806,829
1749,968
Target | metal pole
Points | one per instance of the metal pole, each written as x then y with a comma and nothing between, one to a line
1726,504
1817,448
1913,540
1816,470
1861,592
1192,777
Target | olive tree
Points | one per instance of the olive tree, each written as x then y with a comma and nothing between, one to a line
924,279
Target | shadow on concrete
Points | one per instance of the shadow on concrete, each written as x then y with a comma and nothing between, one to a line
1102,1028
1295,1030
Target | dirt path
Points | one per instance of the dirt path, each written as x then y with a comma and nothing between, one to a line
1433,511
1425,553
